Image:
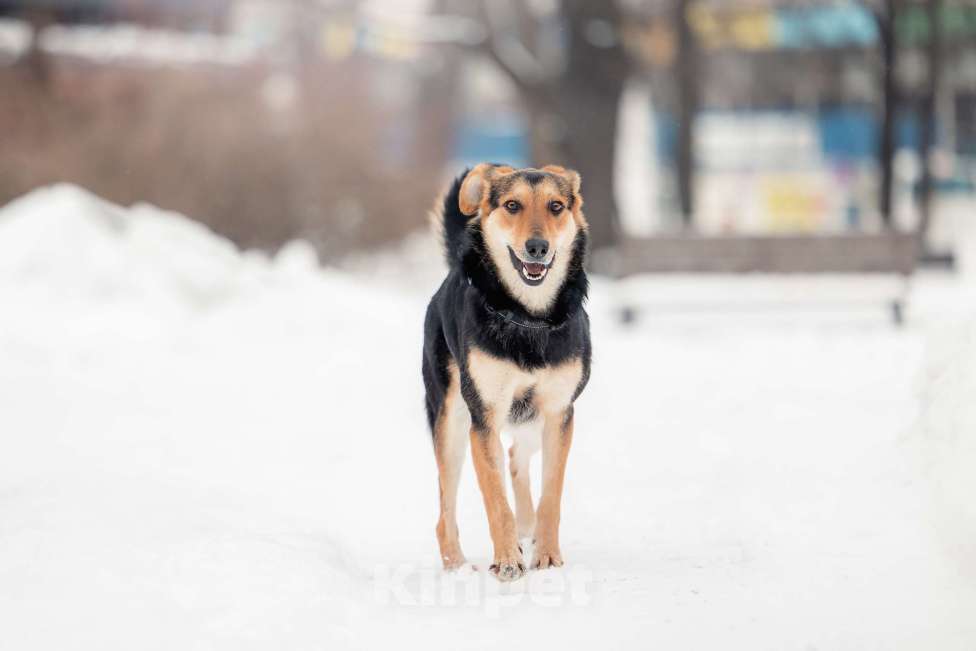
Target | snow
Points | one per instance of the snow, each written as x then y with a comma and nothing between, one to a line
207,449
947,438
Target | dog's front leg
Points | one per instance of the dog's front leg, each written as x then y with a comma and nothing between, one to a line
556,439
486,451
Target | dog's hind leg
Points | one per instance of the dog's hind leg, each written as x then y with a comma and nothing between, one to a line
525,443
450,447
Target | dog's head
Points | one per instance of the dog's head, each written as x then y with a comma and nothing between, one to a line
530,220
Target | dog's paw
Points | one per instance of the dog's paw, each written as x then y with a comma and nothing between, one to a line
453,562
509,567
546,557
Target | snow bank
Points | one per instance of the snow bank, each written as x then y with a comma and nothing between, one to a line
155,386
949,437
67,240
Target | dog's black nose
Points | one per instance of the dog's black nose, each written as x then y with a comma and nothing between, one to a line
537,248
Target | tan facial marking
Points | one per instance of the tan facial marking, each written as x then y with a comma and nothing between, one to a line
534,218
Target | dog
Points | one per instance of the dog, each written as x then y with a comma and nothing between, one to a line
507,343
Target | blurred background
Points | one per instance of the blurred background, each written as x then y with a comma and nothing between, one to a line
337,121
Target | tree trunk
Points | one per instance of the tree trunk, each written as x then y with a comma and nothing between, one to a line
591,151
886,148
581,136
686,70
35,60
586,100
927,119
573,111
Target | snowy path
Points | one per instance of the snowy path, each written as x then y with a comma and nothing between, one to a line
245,465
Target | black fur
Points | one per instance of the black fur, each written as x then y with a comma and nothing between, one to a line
522,408
473,308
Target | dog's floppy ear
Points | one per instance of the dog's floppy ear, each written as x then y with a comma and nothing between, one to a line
473,188
476,184
570,175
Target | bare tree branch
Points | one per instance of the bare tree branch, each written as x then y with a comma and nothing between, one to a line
505,46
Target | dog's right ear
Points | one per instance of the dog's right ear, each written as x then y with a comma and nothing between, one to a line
473,188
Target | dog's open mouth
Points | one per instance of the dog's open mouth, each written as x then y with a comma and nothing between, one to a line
532,273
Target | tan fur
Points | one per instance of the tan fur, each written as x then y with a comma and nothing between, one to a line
486,451
475,186
450,443
435,218
518,467
499,380
556,440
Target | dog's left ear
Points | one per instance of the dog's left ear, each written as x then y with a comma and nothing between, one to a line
570,175
473,188
476,184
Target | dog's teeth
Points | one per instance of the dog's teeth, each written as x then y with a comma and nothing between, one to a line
531,276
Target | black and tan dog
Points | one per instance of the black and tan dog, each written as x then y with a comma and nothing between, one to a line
506,343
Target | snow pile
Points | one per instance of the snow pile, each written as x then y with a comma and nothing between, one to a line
67,240
949,437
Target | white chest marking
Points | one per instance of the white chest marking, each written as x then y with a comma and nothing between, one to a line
499,381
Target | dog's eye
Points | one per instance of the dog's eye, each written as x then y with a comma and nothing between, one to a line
556,207
512,206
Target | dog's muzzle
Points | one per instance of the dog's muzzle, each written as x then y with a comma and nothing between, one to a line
532,273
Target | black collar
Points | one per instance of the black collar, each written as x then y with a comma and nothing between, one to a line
540,324
510,317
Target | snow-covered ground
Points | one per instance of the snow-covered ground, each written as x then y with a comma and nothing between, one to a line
203,449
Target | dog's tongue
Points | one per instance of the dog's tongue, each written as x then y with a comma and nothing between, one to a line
534,268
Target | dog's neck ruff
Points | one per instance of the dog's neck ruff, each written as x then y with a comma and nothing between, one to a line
506,315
